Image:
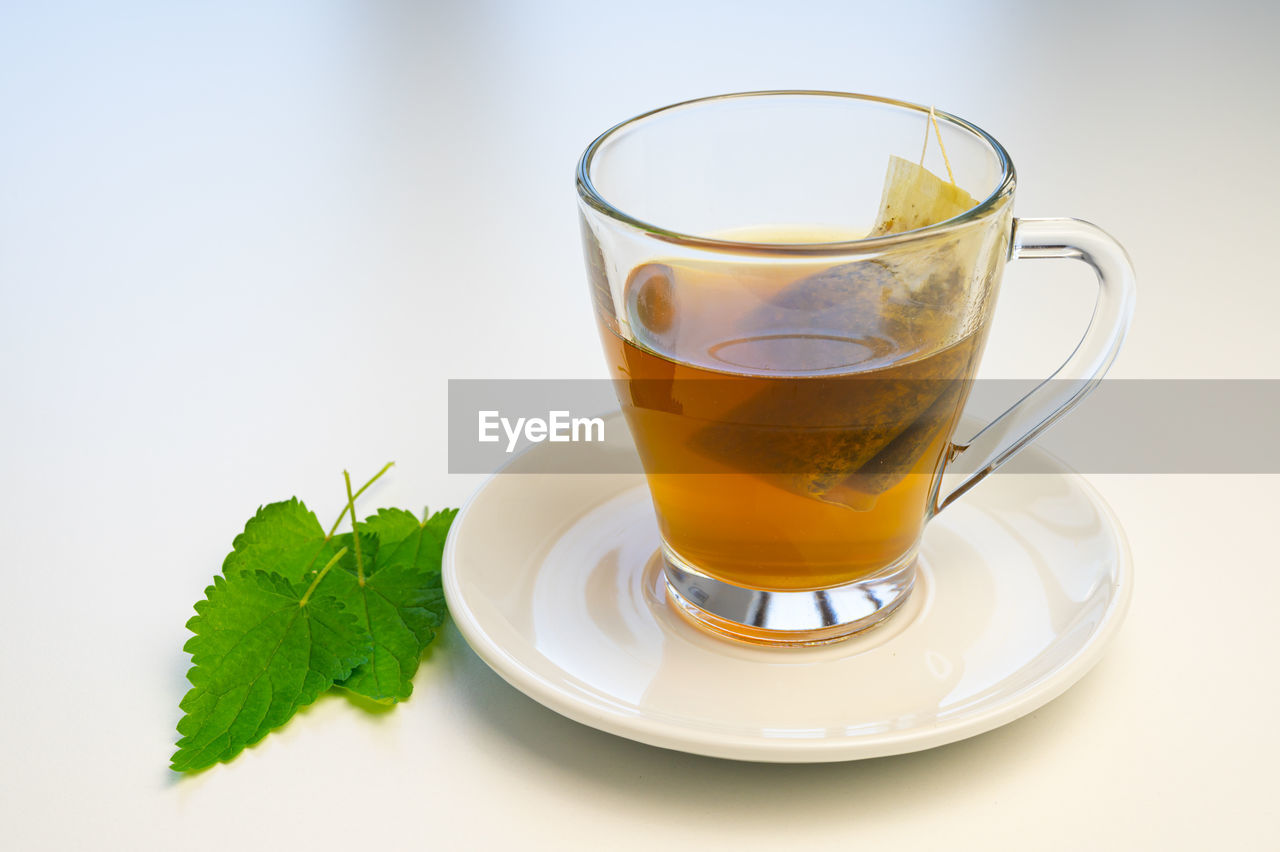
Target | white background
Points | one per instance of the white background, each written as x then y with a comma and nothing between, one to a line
244,245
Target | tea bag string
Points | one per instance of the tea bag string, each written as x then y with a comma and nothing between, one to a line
933,119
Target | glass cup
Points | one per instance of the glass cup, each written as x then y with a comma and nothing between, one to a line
793,384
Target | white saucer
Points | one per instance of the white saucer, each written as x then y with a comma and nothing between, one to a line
554,580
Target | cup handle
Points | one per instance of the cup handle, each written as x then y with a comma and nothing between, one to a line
1081,372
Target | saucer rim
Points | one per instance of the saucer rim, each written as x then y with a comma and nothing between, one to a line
635,725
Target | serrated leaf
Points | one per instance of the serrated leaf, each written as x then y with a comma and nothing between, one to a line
284,538
258,654
401,601
392,526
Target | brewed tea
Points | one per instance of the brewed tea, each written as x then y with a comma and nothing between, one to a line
792,418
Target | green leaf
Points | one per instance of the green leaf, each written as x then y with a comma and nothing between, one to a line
392,526
284,538
296,612
401,601
261,650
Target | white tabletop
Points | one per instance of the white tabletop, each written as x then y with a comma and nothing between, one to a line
244,246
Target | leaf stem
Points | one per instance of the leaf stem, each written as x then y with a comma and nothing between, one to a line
333,529
306,596
350,504
355,531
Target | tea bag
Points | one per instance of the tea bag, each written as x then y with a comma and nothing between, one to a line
848,439
859,489
914,197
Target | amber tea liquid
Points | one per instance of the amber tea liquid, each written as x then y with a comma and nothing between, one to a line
792,420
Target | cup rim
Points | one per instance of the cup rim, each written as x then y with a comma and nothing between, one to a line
591,196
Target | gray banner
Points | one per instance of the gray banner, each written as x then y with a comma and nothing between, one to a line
849,424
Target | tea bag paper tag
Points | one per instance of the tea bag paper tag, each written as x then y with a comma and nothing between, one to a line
915,197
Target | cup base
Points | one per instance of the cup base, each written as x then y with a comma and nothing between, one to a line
787,618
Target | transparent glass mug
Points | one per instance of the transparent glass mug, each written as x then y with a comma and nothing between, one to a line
793,385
